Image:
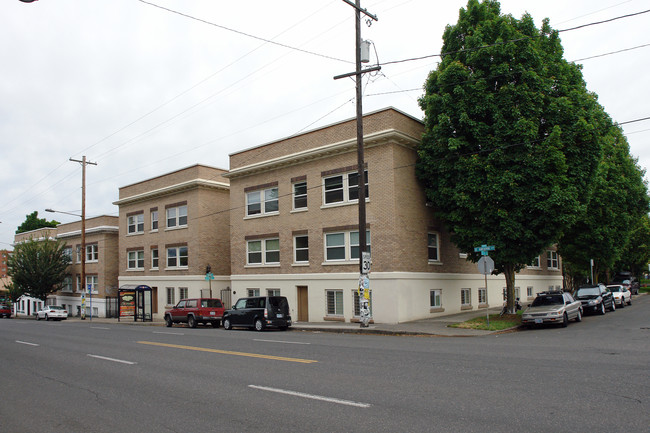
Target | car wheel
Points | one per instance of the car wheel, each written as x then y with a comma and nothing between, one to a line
191,322
168,321
602,308
630,301
226,324
47,318
579,316
216,324
259,325
613,307
622,303
565,320
38,317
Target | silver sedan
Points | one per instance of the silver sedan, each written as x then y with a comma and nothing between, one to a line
54,312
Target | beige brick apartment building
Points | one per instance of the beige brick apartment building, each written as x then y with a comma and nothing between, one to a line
293,229
171,228
101,268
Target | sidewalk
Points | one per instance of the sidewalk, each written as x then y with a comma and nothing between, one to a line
431,327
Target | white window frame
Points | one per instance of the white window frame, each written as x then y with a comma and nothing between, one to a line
431,247
348,245
92,253
175,260
253,292
78,282
265,199
154,221
171,298
135,224
273,292
356,309
482,296
535,263
67,284
346,187
336,303
530,291
93,280
176,217
299,196
296,249
155,258
552,260
135,260
435,298
264,251
183,293
67,251
465,297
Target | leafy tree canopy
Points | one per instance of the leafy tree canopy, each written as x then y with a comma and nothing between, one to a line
38,267
512,137
33,222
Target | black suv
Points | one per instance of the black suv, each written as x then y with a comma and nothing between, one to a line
595,298
258,312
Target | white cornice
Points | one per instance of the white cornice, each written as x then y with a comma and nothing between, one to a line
100,229
370,140
172,189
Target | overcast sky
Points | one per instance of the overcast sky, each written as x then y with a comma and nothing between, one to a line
143,91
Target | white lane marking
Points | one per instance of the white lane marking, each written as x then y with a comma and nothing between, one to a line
168,333
279,341
98,327
29,344
312,396
112,359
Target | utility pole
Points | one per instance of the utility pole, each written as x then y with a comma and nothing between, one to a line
83,163
363,270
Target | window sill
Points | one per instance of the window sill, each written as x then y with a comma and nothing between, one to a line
302,209
436,310
297,265
177,268
262,215
154,269
465,307
168,229
342,203
274,265
135,234
435,262
341,262
135,270
153,231
334,318
92,261
483,306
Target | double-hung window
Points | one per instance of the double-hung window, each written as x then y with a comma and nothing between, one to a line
176,216
92,253
433,247
68,253
135,223
344,246
154,219
171,299
263,251
355,302
154,258
552,261
177,257
67,284
301,249
465,297
334,302
300,195
92,281
343,188
534,263
135,259
435,298
262,202
482,296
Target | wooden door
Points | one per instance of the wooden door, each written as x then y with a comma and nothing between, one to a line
303,304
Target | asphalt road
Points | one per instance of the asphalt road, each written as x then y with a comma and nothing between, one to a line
87,377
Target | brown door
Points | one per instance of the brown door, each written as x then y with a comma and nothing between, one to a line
303,304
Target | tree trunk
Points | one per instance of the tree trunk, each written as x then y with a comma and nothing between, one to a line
509,273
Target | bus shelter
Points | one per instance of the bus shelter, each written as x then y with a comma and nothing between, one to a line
135,301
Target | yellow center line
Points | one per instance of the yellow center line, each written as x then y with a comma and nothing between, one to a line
228,352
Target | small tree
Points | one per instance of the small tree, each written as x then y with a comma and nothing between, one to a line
33,222
38,267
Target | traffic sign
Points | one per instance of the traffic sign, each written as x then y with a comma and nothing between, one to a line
485,265
209,276
365,262
483,249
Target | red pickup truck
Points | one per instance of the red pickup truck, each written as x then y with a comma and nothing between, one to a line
196,310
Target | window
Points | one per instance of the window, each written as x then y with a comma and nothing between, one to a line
435,298
78,283
344,246
263,252
67,284
301,249
182,293
135,223
465,297
177,216
67,251
482,296
552,260
154,220
273,292
534,263
300,195
154,258
262,202
92,281
177,257
355,302
92,253
78,253
170,296
135,259
432,245
517,293
529,291
253,292
334,302
343,188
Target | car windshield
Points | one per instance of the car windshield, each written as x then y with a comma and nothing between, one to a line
56,307
588,291
614,288
548,300
211,303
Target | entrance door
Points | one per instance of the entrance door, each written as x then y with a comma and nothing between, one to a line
303,304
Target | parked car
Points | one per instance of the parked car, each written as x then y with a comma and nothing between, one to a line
54,312
5,311
621,294
595,299
196,310
258,312
628,280
552,308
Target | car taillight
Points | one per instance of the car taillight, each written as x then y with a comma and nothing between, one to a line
266,313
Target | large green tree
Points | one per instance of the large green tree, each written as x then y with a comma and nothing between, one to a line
512,137
636,254
38,267
33,222
618,201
